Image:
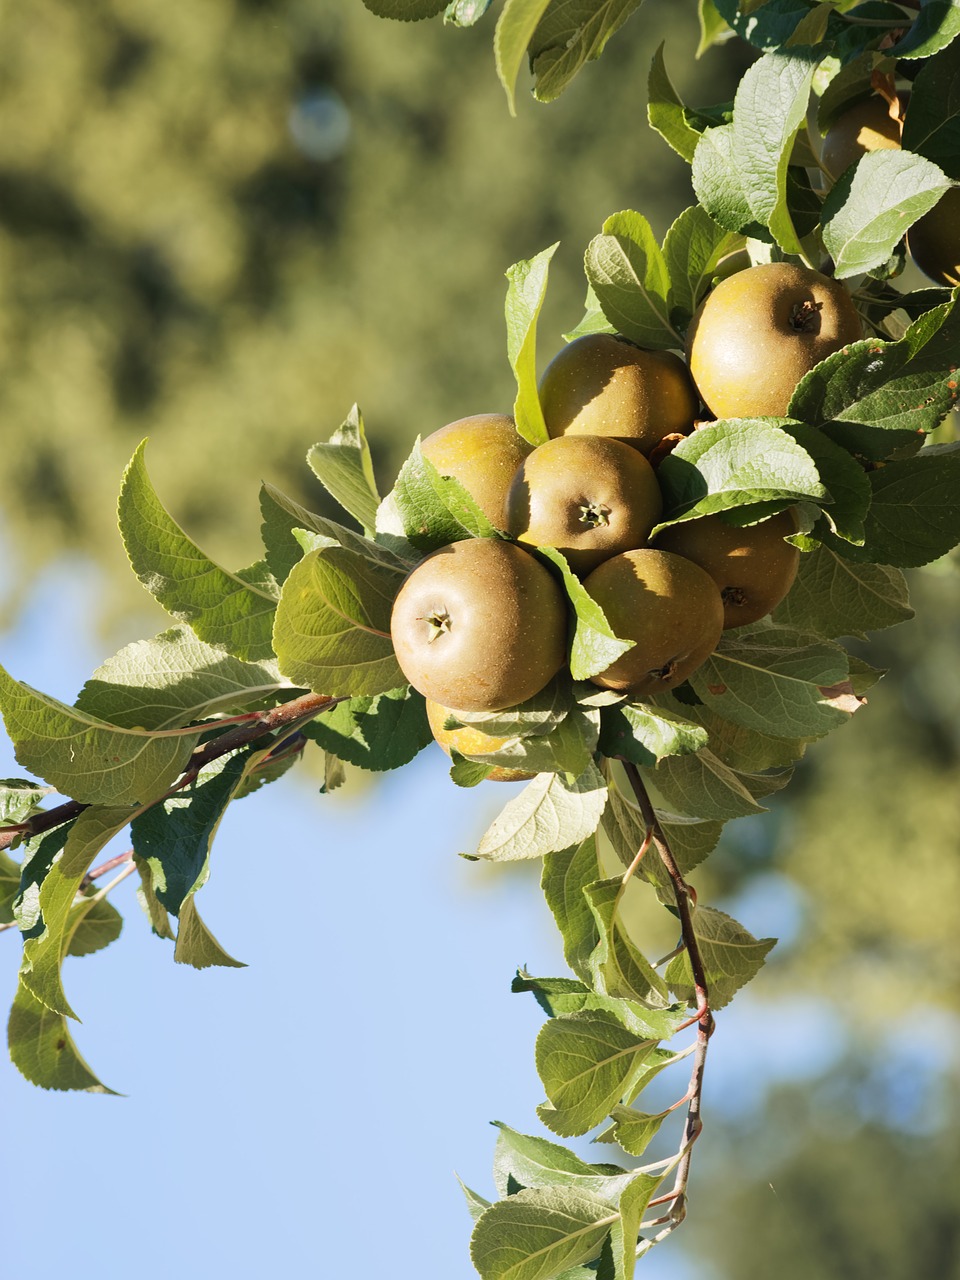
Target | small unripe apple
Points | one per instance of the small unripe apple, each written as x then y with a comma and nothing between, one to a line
603,385
669,606
753,567
480,625
470,741
483,453
591,497
759,331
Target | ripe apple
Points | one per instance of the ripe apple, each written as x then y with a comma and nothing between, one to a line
591,497
669,606
934,240
480,625
483,453
759,331
753,567
470,741
871,125
603,385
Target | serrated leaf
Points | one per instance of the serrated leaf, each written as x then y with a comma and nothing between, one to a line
538,1233
475,1202
435,510
19,798
468,773
774,681
700,786
935,26
842,477
42,1048
196,945
173,679
736,463
674,121
645,734
378,733
731,957
632,1130
9,886
539,714
690,841
593,645
568,748
566,874
43,950
570,35
832,596
405,10
91,927
525,293
871,388
931,127
588,1062
747,750
617,966
552,812
914,516
84,757
628,274
528,1161
332,632
465,13
155,912
557,996
871,207
771,26
693,248
713,28
515,27
223,608
343,466
717,185
633,1202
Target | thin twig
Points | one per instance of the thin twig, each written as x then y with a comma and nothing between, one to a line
103,868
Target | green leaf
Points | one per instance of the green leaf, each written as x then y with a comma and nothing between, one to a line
83,756
223,608
538,715
570,35
736,463
172,680
435,510
932,124
539,1232
776,682
588,1062
19,799
405,10
9,886
593,645
866,391
717,184
646,734
378,733
174,838
731,957
468,773
196,945
524,1161
634,1199
690,842
525,293
842,477
465,13
344,468
43,952
771,26
746,750
91,926
475,1203
628,273
693,249
871,207
566,874
617,966
679,127
332,632
936,25
515,27
42,1048
700,786
568,748
834,597
150,905
557,996
632,1130
914,517
713,28
552,812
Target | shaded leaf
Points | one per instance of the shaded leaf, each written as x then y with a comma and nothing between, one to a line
381,732
343,466
646,734
593,645
566,874
568,36
42,1048
515,27
632,1130
196,945
435,510
834,597
91,927
617,966
731,957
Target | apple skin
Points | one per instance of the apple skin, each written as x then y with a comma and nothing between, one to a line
480,625
758,332
469,740
753,567
871,125
669,606
603,385
591,497
934,240
483,453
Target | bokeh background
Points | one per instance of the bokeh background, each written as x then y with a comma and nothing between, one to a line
220,225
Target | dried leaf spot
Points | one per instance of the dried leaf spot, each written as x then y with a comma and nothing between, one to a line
61,1044
842,697
716,689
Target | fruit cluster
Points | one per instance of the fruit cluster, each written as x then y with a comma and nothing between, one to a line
481,625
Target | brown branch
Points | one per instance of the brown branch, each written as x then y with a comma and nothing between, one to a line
685,900
287,716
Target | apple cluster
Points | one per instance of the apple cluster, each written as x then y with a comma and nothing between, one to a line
481,625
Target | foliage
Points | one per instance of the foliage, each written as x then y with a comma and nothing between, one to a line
296,647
